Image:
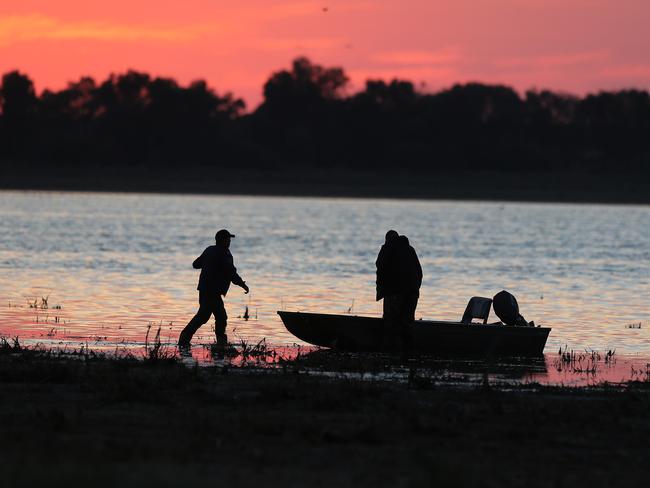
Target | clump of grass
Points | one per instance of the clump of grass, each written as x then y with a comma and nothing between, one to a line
220,351
257,351
10,345
582,362
641,374
245,351
156,351
43,305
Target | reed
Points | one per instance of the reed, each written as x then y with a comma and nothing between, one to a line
583,362
10,345
157,351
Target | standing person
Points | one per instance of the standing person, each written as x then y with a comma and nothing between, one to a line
217,272
385,266
399,278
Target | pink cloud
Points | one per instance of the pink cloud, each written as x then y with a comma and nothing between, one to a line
416,58
558,60
627,71
288,44
24,28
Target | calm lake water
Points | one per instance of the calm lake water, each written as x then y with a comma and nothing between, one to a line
116,263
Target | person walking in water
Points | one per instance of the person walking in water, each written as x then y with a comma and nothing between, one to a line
217,272
399,278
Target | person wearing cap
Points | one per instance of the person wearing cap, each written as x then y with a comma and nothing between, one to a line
217,272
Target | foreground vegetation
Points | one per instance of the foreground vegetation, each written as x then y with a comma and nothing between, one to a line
83,419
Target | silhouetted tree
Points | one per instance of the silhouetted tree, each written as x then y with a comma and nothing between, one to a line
395,93
547,108
75,101
19,106
18,97
299,113
303,88
614,130
307,120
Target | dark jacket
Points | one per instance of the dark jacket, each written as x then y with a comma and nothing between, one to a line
398,269
217,270
386,270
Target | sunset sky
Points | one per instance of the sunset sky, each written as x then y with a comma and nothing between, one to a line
568,45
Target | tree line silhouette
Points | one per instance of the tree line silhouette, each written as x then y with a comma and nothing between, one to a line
308,120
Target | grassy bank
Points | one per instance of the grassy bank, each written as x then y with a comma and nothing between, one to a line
512,186
96,421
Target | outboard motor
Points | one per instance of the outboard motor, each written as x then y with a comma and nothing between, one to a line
507,309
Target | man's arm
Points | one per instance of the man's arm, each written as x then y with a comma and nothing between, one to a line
418,268
237,280
198,262
381,257
229,268
381,272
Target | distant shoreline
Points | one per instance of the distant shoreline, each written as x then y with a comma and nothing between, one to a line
631,188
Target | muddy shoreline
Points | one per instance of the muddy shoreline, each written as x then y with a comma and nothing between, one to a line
101,421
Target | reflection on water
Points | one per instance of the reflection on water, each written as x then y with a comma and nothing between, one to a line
565,368
580,369
109,265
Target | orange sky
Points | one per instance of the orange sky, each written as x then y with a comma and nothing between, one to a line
568,45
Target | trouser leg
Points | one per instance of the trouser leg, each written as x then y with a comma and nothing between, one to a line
392,322
201,317
407,319
220,320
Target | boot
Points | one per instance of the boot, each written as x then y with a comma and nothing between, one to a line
222,339
183,340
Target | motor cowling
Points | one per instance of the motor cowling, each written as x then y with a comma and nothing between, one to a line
507,309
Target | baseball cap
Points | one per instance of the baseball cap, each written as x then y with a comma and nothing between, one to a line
223,234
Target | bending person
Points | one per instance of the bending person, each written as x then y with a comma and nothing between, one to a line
399,278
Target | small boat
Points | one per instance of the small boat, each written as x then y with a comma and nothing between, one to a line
354,333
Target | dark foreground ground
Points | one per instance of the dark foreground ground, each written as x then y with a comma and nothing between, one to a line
100,422
511,186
